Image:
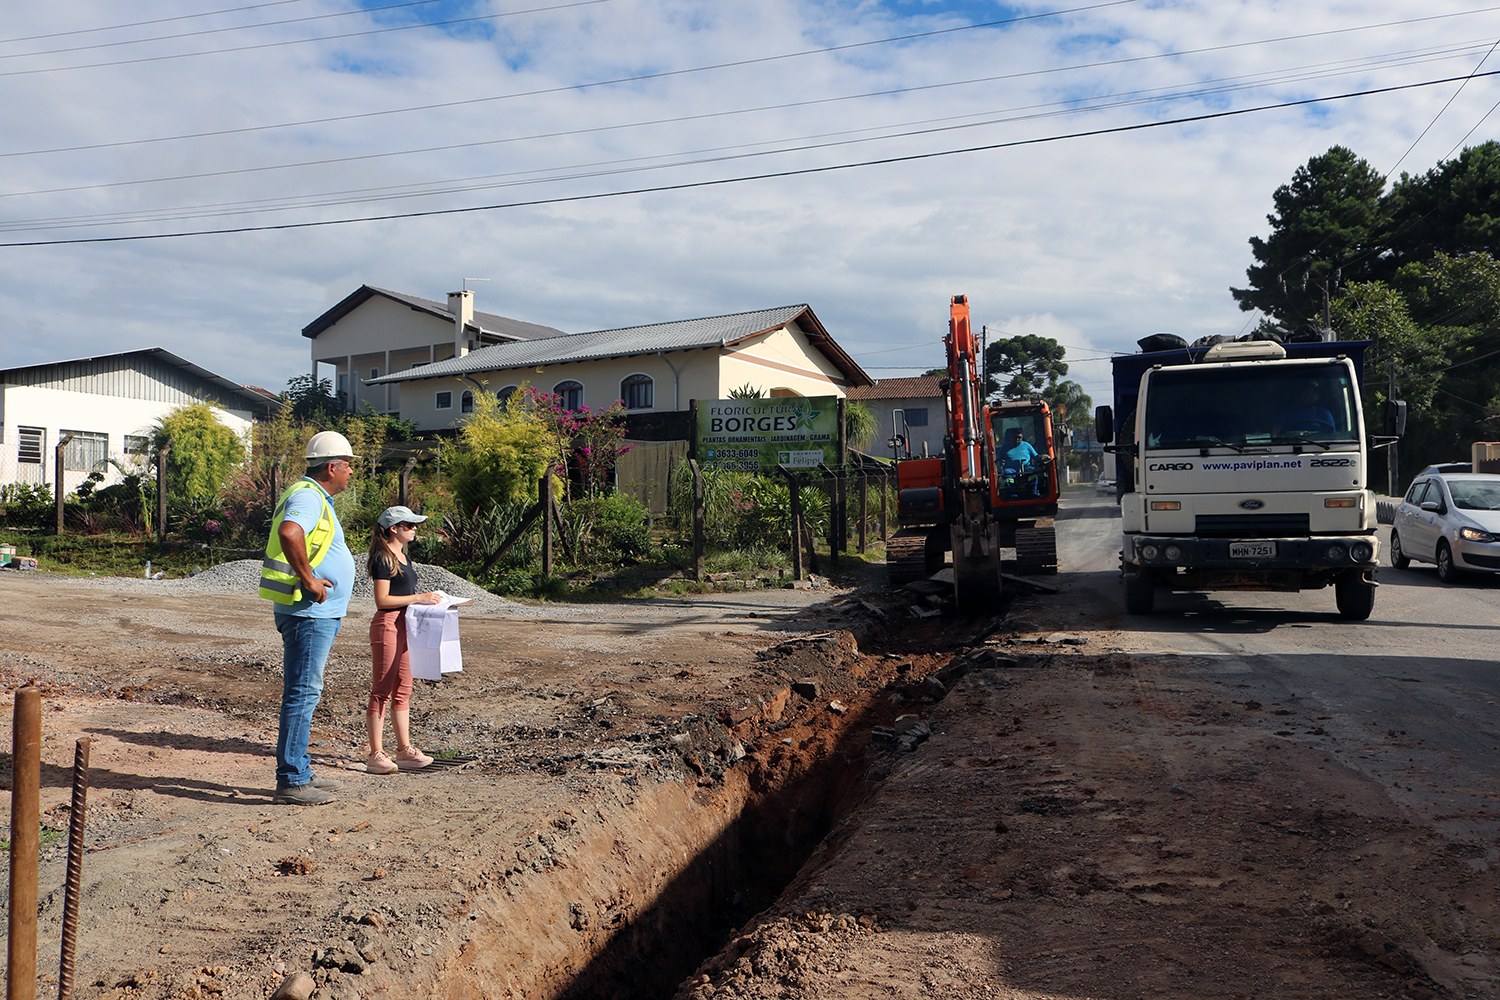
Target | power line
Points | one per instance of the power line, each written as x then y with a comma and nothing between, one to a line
211,31
719,182
1439,114
432,188
1074,105
745,62
296,41
159,20
488,17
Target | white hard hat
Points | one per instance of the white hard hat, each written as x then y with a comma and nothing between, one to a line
326,445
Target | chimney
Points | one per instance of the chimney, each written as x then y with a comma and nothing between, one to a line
461,305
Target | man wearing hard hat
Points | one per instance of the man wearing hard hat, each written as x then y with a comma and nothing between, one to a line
308,572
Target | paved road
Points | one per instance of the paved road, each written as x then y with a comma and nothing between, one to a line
1410,697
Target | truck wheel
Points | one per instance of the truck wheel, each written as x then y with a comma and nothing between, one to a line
1355,598
1447,572
1399,559
1140,594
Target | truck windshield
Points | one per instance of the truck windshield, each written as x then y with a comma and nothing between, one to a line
1252,405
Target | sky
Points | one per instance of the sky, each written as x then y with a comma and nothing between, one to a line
193,174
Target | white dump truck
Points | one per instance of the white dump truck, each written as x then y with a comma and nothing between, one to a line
1244,466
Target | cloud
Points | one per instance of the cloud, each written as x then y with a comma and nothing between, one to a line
1104,238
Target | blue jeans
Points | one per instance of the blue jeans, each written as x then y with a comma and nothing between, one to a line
305,644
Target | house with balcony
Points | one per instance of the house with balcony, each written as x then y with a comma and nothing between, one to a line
373,332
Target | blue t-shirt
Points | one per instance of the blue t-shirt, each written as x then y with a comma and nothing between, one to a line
305,507
1018,457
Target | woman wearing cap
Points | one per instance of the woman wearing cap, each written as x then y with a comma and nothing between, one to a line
394,580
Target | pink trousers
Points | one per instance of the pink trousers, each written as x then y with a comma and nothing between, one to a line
390,680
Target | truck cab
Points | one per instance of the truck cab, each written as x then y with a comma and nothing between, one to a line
1244,467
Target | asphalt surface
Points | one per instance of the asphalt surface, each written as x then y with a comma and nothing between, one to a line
1411,697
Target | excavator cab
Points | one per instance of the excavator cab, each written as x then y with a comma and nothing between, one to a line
1025,460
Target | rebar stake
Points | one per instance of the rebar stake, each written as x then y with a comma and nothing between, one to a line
74,886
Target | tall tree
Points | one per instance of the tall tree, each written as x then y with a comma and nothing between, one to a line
1453,208
1325,231
1071,405
1030,365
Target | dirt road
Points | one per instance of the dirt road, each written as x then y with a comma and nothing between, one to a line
990,809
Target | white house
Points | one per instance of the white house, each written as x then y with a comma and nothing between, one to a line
108,404
659,367
911,406
375,331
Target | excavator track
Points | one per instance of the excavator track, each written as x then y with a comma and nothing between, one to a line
906,556
1036,547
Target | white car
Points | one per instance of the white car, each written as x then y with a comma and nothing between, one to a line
1450,520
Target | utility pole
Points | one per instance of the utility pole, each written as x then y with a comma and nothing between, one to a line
1393,471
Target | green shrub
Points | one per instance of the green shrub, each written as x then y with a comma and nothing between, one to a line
500,455
768,519
609,528
203,449
27,505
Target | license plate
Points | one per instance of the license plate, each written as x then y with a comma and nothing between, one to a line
1252,550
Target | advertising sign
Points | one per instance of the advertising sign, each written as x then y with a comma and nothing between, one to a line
756,435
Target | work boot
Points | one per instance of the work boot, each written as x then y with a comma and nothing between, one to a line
300,795
327,784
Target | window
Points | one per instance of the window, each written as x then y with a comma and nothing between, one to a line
343,383
87,449
570,393
504,394
374,372
1414,495
30,443
916,416
444,401
635,392
137,444
466,402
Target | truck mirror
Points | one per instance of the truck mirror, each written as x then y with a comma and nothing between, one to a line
1104,424
1396,417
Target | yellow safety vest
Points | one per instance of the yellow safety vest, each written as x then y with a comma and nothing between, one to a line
277,581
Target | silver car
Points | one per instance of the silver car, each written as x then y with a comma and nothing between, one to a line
1451,520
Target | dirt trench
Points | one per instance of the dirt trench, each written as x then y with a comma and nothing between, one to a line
845,801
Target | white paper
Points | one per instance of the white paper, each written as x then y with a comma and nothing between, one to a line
432,637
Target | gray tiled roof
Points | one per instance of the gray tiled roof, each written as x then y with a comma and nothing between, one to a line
500,326
517,329
687,334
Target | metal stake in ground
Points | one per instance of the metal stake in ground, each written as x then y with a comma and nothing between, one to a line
74,886
57,476
25,836
698,517
161,492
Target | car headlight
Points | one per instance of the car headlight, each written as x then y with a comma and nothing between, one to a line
1475,535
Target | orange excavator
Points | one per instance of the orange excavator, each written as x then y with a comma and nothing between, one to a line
994,487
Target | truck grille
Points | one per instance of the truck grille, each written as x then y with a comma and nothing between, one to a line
1252,525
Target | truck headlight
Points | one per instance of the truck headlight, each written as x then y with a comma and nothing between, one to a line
1148,552
1335,553
1361,552
1173,553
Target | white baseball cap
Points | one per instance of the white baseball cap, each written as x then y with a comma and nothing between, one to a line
393,516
